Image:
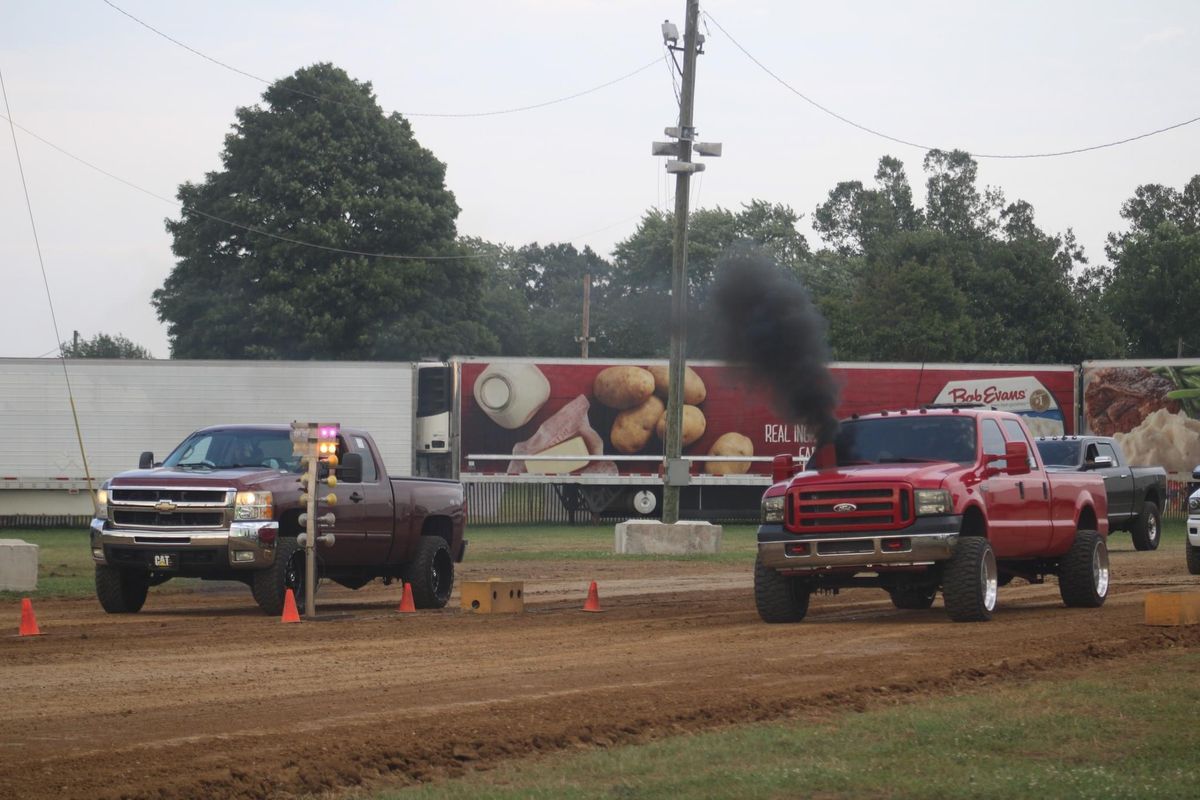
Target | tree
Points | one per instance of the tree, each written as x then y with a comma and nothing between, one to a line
1154,279
103,346
630,319
321,164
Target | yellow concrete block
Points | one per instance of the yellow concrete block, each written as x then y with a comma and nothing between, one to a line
493,596
1173,608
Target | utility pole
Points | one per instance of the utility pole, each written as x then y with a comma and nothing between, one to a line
676,473
587,310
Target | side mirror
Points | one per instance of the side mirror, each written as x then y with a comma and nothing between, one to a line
783,467
1196,473
1016,458
350,469
146,460
1100,462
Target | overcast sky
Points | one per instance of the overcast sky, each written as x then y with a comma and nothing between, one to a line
1011,77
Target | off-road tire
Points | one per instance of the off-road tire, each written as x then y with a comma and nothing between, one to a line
916,598
269,586
779,598
1147,528
431,573
121,591
970,580
1193,558
1083,572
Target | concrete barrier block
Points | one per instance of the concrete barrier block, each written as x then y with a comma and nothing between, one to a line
18,566
651,537
1173,608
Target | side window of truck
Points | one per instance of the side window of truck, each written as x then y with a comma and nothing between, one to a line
1015,434
1106,449
370,473
993,440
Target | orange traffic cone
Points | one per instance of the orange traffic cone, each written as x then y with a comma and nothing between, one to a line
29,626
406,601
289,608
593,599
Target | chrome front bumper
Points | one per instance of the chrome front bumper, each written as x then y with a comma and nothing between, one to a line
863,552
240,547
1193,530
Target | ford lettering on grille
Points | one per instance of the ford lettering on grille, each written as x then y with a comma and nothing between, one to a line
844,507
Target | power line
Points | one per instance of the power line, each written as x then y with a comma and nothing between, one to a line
37,243
253,229
920,146
334,101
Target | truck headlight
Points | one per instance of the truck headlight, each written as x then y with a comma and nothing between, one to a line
933,501
772,508
102,503
253,505
1194,503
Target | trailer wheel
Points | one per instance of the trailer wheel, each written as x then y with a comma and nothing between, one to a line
916,597
970,581
1193,558
121,591
269,586
431,573
1083,571
1147,530
779,598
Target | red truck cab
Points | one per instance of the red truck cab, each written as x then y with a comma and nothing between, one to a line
954,499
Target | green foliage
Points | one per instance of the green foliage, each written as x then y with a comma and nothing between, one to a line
322,164
966,278
104,346
1153,285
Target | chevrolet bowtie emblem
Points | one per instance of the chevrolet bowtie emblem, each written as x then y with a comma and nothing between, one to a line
164,506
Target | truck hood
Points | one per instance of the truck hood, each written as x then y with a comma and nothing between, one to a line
916,473
242,478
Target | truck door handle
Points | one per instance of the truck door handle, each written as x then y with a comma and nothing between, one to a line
1021,488
1045,490
356,497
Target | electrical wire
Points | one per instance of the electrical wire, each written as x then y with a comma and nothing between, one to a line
450,115
290,240
918,145
251,228
37,243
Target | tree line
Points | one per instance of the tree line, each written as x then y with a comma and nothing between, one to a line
953,271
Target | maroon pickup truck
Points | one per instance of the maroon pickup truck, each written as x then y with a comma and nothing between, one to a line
913,502
225,505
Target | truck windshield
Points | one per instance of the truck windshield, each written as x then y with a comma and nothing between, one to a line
232,449
910,438
1059,454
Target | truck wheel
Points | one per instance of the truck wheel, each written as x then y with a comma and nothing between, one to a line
1146,529
269,586
121,591
970,581
1083,571
431,573
913,597
1193,558
779,598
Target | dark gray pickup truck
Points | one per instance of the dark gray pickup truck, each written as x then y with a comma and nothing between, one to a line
1135,494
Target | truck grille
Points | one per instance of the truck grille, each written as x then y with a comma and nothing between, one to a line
170,508
849,508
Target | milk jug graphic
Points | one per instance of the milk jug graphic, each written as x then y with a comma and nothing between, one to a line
511,392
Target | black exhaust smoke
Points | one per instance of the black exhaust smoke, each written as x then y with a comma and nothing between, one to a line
768,324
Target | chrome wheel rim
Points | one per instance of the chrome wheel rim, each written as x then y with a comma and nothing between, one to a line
1100,569
1152,530
988,574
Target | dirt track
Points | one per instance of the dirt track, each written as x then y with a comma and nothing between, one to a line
200,695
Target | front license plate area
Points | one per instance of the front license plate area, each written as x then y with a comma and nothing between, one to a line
165,561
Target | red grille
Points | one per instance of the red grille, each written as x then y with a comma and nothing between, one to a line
849,507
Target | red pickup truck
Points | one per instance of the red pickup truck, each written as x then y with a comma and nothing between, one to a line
952,499
225,505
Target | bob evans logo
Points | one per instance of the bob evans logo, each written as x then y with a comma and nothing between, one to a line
1007,394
